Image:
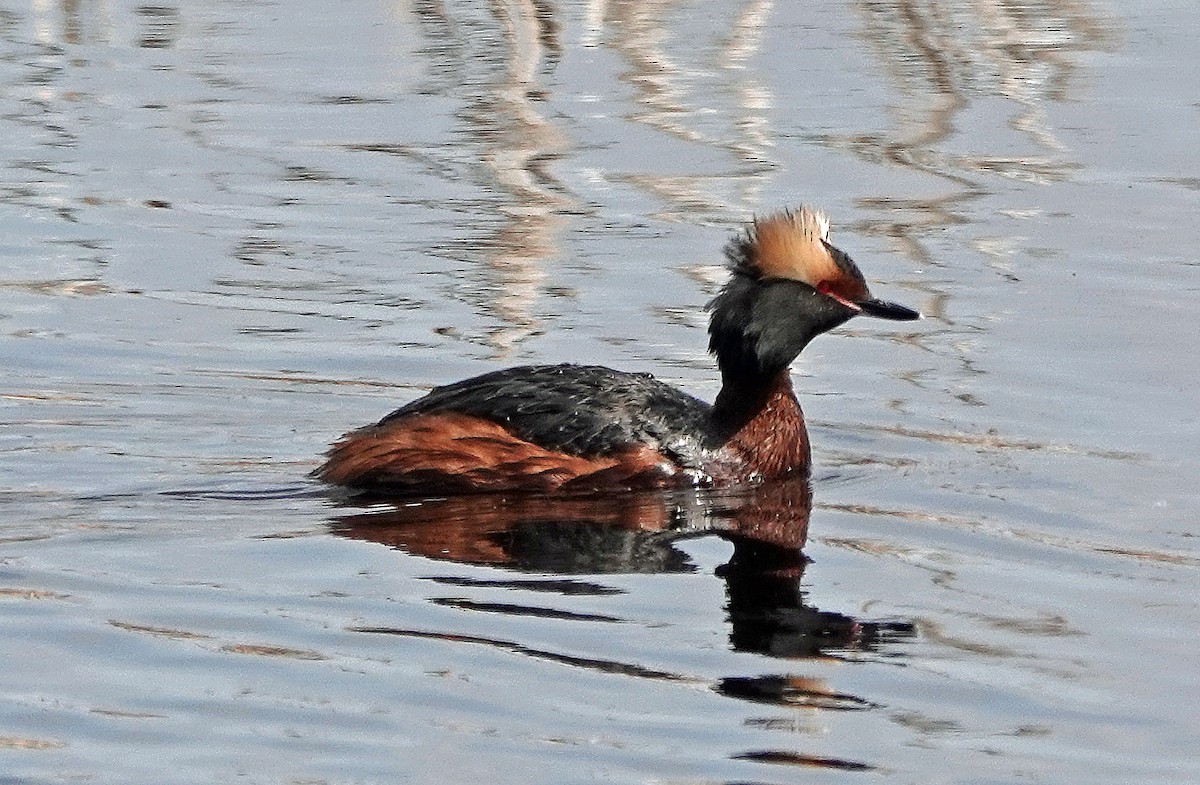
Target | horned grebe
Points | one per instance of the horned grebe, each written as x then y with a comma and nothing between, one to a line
578,428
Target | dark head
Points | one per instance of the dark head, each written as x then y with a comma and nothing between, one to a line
788,285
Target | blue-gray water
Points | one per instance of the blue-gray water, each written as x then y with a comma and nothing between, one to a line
231,231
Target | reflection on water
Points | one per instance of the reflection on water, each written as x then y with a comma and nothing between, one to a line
941,54
942,57
673,97
499,64
626,532
497,67
638,533
951,65
766,608
161,26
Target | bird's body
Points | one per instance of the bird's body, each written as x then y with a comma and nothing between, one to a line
567,427
577,428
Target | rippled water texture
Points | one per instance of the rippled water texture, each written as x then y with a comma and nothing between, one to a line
230,231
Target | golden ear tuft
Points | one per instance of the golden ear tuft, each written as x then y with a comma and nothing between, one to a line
792,244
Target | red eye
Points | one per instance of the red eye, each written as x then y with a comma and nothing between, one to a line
826,288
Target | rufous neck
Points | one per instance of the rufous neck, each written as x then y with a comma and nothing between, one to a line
743,397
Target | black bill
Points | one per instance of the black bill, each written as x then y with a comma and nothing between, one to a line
886,310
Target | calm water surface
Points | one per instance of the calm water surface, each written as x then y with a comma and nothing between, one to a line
232,231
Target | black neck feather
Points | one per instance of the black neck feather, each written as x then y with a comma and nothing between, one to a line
758,327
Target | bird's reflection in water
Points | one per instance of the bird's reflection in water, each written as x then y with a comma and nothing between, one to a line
639,533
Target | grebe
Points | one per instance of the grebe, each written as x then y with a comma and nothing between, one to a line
580,428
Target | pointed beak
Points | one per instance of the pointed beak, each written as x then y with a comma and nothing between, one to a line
885,310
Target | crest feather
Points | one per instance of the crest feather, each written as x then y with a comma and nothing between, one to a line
794,244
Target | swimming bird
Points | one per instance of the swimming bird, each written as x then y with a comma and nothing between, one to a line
585,428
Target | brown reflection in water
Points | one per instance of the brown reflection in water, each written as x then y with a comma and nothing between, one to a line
668,99
638,533
512,145
792,691
615,533
72,28
67,22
